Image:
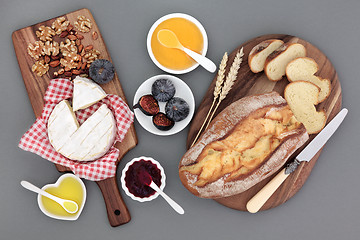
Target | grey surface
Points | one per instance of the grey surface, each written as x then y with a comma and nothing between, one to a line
327,207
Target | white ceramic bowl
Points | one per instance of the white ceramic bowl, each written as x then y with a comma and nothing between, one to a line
126,190
182,90
58,182
166,17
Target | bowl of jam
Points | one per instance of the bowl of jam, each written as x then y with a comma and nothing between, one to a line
133,178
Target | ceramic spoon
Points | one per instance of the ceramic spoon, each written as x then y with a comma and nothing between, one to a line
68,205
146,179
169,39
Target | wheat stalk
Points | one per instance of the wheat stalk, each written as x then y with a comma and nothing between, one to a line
217,90
229,82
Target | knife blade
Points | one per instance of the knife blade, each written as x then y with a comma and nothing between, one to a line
259,199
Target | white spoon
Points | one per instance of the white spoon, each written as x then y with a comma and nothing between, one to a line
146,179
169,39
68,205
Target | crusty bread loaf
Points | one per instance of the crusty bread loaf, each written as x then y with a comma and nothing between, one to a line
302,97
276,62
246,143
260,52
304,68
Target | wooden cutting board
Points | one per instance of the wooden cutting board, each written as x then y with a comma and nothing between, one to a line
36,86
249,83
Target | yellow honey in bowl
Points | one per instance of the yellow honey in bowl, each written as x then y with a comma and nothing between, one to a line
69,188
189,36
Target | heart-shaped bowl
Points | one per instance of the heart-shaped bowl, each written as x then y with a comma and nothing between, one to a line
125,188
53,209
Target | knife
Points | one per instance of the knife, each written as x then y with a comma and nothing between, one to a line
257,201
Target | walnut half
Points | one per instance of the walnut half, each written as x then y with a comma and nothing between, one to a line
45,33
40,67
60,25
83,24
35,50
51,48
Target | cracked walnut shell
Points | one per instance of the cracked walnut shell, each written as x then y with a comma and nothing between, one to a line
40,67
51,48
45,33
83,24
35,50
60,25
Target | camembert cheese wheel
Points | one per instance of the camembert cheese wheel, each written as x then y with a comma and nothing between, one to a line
86,93
87,142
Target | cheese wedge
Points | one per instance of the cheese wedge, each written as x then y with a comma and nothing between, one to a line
87,142
86,93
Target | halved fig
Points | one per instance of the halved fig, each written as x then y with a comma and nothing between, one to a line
162,122
148,105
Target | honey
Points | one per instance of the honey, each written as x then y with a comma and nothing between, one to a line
189,36
69,188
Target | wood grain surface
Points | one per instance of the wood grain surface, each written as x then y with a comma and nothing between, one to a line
249,83
36,86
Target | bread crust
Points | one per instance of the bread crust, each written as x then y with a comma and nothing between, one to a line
317,102
275,54
259,48
219,128
317,69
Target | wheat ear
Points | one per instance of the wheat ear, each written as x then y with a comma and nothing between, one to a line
217,90
229,82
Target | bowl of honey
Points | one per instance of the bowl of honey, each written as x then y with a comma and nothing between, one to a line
69,187
191,35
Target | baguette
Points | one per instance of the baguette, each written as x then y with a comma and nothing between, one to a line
246,143
260,52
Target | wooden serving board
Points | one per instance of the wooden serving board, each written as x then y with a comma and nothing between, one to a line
249,83
36,86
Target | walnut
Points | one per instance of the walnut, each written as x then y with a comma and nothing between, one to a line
60,25
40,67
83,24
35,51
51,48
69,46
69,64
92,55
45,33
71,56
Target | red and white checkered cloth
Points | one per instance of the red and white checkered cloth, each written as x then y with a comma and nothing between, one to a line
36,139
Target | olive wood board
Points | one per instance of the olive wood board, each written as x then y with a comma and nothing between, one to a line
36,86
249,83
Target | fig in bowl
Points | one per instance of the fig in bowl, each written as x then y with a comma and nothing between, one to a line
163,90
148,105
162,122
177,109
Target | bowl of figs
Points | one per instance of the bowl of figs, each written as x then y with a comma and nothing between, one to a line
164,105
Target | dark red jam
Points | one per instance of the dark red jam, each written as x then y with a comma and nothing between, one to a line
137,178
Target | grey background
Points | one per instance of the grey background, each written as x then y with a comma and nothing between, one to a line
327,207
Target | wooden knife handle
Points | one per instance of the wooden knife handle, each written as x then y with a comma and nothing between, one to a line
117,211
257,201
